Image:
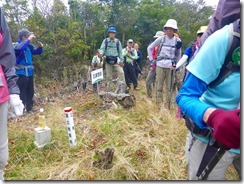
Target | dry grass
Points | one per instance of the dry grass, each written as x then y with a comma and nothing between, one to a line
149,144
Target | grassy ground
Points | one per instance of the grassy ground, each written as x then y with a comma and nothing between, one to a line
149,144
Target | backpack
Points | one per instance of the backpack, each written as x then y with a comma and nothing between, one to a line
162,44
228,67
230,64
106,44
177,45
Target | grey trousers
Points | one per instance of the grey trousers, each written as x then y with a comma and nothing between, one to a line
151,78
194,158
3,137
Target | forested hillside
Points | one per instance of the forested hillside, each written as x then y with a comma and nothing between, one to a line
72,34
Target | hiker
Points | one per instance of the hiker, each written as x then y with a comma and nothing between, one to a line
169,55
151,76
130,54
9,90
209,99
138,61
24,51
112,50
192,50
97,62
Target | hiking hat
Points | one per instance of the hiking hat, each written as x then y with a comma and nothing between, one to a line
130,41
158,34
171,23
112,30
24,32
202,29
99,51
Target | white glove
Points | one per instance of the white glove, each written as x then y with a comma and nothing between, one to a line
181,61
17,104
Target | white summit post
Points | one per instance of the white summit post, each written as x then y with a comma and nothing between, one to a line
70,126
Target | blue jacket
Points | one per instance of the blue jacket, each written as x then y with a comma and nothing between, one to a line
139,53
24,51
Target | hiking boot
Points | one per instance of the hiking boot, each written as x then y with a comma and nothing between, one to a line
136,88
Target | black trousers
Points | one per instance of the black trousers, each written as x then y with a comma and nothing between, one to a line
26,86
130,75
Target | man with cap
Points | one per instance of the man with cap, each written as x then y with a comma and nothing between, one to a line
169,55
151,77
24,51
130,54
111,48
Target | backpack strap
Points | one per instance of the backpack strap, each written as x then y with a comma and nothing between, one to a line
161,45
229,66
106,44
117,44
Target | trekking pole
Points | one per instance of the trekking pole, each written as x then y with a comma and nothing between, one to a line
214,160
171,88
138,66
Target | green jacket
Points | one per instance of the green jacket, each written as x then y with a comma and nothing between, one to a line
112,48
130,58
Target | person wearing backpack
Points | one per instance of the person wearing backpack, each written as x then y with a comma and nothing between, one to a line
24,51
151,76
191,51
112,50
209,99
9,90
130,54
168,55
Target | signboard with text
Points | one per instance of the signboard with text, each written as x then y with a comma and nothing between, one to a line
97,75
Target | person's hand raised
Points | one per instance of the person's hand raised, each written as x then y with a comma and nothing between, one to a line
31,37
40,44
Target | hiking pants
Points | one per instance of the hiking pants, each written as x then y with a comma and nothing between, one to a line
130,74
151,78
3,137
26,86
194,158
163,76
111,68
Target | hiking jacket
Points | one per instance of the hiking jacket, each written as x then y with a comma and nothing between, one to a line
168,52
129,59
195,97
8,77
112,49
24,51
139,59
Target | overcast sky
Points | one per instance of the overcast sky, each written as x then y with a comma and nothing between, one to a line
208,2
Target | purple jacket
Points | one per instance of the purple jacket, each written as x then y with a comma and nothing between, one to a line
227,12
8,78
